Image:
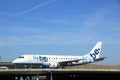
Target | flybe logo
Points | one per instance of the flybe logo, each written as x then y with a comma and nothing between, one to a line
41,58
95,53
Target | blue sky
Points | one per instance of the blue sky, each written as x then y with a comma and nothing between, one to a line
66,27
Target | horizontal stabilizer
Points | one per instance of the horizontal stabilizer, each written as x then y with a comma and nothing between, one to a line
100,59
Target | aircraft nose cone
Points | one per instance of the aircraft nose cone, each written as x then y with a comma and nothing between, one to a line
15,61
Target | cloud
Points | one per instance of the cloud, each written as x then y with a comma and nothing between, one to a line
101,15
100,26
38,36
45,36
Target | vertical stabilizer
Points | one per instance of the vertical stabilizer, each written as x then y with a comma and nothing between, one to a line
95,52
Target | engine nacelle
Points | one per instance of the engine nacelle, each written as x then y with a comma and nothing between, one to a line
50,64
53,65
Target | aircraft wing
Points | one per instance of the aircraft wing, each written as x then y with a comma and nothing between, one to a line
67,62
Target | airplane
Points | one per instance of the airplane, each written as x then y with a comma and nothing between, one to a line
56,61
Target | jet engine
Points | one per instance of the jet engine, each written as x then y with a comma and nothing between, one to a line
50,65
53,65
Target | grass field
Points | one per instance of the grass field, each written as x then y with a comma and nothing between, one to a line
93,66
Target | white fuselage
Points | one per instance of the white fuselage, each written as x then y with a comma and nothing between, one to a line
44,58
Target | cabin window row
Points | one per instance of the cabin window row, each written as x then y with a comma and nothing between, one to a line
62,58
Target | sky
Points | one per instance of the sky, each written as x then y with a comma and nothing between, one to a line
59,27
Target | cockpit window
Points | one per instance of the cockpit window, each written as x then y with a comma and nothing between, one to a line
21,57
